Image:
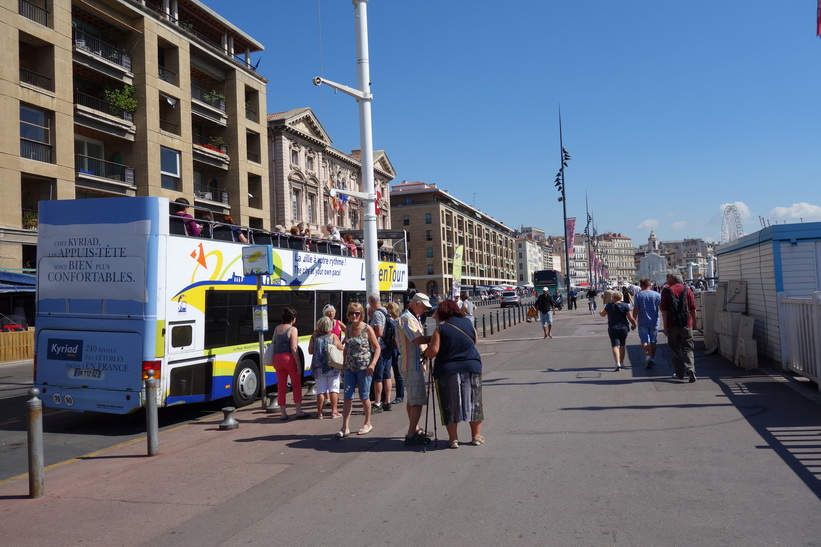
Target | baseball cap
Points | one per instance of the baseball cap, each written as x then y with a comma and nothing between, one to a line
421,297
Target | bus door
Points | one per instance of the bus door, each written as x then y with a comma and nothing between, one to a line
188,375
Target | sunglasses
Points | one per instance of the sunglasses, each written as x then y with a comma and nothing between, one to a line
356,313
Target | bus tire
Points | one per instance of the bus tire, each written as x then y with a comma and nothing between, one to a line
246,383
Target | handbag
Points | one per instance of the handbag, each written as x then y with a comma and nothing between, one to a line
336,357
532,312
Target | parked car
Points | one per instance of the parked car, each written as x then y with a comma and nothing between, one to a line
510,298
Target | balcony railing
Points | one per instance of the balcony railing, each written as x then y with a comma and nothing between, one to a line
37,151
167,75
206,142
171,127
33,12
102,106
105,169
101,49
253,157
212,98
29,219
38,80
251,114
211,193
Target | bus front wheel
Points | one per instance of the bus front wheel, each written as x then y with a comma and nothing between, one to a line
246,383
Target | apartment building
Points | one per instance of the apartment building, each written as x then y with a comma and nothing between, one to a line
304,167
108,98
437,223
529,259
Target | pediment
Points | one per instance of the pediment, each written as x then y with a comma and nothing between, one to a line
381,162
302,121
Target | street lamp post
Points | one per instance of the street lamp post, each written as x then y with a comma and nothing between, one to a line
364,97
560,185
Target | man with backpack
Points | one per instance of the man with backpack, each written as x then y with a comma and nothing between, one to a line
678,314
383,327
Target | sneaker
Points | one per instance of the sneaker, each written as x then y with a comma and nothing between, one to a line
416,440
618,368
386,407
376,409
650,364
397,400
692,376
678,376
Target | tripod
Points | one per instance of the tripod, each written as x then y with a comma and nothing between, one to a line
431,403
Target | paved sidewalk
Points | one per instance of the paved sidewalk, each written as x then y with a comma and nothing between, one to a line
576,455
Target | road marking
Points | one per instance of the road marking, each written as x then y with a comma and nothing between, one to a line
90,455
20,419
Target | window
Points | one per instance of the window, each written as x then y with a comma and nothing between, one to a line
428,219
310,163
296,210
429,235
430,269
311,201
170,168
406,220
35,134
295,156
430,252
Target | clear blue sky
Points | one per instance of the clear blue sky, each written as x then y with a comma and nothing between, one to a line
670,109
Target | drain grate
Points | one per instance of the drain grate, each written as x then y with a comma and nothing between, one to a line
589,375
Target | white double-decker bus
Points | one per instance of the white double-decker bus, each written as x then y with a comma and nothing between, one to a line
121,289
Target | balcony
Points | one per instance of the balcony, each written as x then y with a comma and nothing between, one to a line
209,105
101,115
37,80
210,151
32,11
211,193
251,114
167,75
36,151
95,167
211,98
102,50
29,219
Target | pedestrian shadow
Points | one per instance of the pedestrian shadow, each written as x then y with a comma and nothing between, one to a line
330,443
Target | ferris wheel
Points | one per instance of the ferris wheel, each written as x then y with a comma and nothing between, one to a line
731,227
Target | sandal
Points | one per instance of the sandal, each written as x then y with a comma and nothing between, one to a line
417,440
365,430
477,440
320,417
341,434
284,417
336,415
453,444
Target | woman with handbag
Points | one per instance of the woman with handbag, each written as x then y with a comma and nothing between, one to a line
361,354
326,364
457,372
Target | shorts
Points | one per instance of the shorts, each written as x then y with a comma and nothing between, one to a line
357,379
382,370
649,334
547,318
327,384
618,337
415,392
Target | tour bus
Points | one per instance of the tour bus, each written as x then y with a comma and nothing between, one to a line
122,289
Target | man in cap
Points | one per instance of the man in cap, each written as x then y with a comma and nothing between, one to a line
411,338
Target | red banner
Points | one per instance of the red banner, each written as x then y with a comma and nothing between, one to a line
570,232
818,19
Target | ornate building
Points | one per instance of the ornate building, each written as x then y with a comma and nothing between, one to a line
304,167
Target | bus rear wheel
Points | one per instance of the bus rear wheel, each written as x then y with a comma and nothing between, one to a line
246,383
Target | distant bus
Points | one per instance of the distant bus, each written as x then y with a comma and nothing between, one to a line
546,279
121,289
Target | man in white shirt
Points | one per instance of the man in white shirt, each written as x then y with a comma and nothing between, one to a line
467,307
333,233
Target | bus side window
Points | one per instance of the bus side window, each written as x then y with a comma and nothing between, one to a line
182,336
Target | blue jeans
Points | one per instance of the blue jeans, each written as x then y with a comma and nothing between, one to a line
357,379
397,377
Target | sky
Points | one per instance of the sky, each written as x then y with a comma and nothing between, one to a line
670,110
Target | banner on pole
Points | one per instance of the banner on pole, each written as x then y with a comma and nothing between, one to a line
570,231
457,272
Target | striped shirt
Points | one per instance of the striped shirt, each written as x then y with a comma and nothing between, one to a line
410,354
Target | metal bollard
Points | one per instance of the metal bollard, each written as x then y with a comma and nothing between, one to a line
151,421
491,324
34,417
504,325
509,320
484,330
497,322
273,406
228,421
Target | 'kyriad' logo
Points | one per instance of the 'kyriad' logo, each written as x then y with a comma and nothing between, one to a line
67,350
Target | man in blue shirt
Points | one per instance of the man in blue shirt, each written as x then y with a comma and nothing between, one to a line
646,314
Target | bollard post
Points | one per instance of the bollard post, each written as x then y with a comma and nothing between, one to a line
504,325
151,421
273,405
484,330
509,320
491,323
228,421
34,417
497,322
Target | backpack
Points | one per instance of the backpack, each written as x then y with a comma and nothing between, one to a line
388,334
679,314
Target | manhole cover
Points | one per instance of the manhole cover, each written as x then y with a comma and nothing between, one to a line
589,375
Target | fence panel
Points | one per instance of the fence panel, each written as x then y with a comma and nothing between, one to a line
803,323
16,346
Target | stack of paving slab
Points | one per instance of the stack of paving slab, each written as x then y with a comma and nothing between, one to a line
735,339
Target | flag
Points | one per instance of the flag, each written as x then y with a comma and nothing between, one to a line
818,19
570,231
457,272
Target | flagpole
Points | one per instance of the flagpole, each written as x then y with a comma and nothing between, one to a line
587,233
